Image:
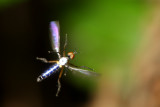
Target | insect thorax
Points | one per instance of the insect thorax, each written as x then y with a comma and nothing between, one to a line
63,61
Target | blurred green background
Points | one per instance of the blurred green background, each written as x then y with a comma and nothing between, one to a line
106,33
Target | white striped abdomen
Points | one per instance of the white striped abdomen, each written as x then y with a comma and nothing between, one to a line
47,73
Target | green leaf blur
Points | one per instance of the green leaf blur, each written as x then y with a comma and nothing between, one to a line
105,33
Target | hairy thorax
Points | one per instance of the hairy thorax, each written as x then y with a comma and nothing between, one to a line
63,61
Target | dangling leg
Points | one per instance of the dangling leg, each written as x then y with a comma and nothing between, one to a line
58,53
84,67
45,60
59,84
65,71
64,54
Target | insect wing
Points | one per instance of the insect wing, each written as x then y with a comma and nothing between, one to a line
83,71
55,38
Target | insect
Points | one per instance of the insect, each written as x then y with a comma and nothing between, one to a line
62,61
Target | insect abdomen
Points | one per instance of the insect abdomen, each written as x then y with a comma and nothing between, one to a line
47,73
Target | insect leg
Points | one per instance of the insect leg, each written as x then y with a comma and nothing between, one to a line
83,67
45,60
65,46
65,71
58,53
86,68
59,83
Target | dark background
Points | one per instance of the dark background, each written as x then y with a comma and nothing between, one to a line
24,35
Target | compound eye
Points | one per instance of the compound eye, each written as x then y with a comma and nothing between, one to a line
70,55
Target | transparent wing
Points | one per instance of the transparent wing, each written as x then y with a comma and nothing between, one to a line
55,38
84,71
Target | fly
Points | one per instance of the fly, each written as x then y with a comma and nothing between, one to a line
62,61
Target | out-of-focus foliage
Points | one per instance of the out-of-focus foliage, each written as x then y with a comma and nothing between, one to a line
105,33
108,30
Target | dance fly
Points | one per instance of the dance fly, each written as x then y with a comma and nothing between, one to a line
63,60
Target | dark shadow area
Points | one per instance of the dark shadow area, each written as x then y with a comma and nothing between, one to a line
24,35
